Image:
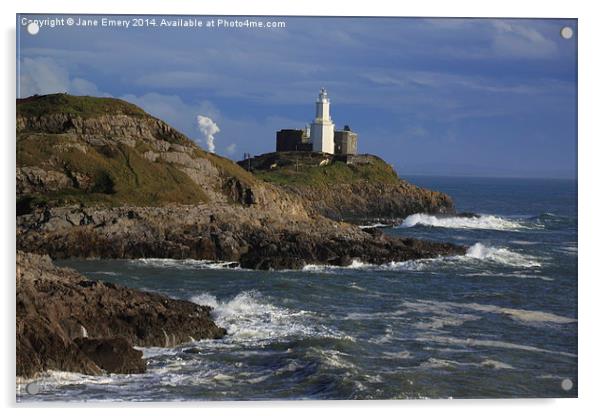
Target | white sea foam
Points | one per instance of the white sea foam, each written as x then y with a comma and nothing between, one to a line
496,365
501,255
439,363
470,342
485,222
442,363
513,274
355,264
412,265
333,358
478,251
451,308
398,355
250,317
186,264
518,314
104,273
439,315
376,225
355,286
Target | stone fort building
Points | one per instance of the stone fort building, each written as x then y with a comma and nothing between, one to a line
321,136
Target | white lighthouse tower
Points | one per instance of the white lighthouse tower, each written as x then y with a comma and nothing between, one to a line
322,129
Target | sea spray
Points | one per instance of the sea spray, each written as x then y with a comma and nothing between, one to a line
501,255
484,222
250,317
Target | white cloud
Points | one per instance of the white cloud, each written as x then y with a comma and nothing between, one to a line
517,40
44,75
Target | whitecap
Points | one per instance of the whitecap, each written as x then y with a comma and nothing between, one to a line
522,315
376,225
250,317
104,273
398,355
186,264
411,265
355,286
439,363
485,222
447,309
470,342
501,255
496,365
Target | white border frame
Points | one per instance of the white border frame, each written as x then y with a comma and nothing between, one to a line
589,154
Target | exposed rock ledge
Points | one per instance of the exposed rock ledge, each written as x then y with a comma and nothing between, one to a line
251,238
66,322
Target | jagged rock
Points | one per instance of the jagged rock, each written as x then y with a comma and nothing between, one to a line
66,322
31,179
238,192
114,355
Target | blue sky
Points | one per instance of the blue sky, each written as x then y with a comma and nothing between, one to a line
467,97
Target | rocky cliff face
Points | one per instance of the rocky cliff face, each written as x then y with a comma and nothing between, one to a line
66,322
122,157
363,189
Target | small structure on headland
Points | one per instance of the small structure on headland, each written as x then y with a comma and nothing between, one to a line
321,136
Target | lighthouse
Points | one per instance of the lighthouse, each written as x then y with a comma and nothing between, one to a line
322,128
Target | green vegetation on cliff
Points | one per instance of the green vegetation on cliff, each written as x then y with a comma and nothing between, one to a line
106,151
305,169
362,188
86,106
112,175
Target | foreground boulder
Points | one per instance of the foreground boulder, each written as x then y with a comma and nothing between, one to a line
114,355
66,322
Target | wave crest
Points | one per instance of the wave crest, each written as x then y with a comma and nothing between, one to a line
501,255
186,264
250,317
484,222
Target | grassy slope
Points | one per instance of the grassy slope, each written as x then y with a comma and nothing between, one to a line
332,174
121,175
84,106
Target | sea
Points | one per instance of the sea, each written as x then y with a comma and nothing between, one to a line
499,322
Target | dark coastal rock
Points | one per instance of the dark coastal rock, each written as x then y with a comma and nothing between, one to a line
66,322
198,233
114,355
467,215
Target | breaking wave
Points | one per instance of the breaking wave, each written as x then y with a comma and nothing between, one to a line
186,264
375,225
501,255
484,222
250,317
478,251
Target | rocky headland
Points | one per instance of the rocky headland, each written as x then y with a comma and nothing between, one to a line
98,177
361,189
